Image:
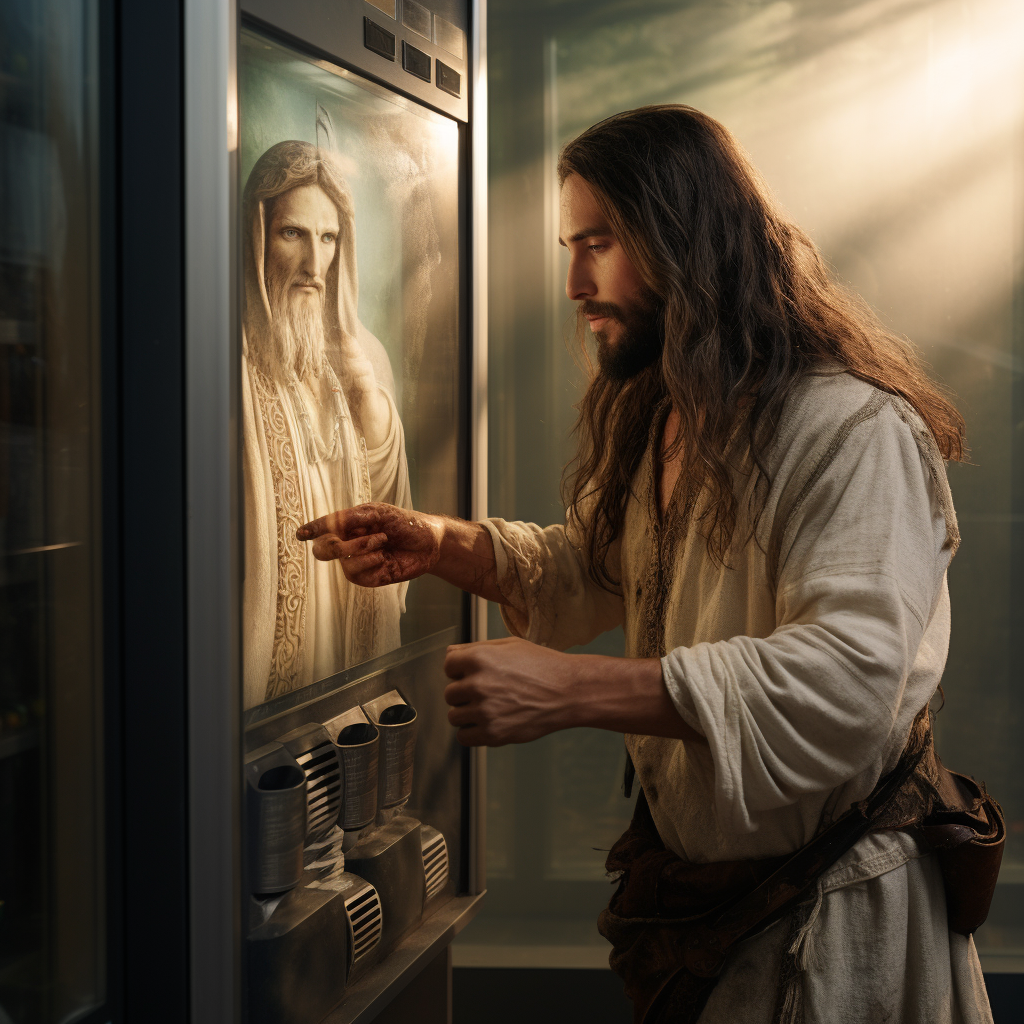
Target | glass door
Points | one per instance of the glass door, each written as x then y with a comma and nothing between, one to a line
352,390
52,922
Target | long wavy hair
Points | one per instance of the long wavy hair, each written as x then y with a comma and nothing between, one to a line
748,308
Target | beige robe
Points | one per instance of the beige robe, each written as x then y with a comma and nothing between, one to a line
803,664
302,619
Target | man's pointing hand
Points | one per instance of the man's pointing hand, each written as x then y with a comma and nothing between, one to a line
377,544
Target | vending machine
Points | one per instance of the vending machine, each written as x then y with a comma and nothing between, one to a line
354,374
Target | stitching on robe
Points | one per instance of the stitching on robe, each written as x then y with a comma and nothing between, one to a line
289,625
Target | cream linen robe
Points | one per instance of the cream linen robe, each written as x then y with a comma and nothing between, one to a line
803,665
302,619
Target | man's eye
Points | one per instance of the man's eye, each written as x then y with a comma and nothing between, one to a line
290,233
597,247
328,237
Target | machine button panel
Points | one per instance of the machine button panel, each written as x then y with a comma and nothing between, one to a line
415,61
447,36
416,17
378,39
384,6
449,79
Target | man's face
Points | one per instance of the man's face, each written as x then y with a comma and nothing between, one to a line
621,311
301,243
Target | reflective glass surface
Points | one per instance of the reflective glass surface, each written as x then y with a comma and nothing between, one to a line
52,928
890,130
350,382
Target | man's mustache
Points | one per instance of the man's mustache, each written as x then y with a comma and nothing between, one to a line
309,282
590,308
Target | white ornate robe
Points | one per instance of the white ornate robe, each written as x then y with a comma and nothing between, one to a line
302,619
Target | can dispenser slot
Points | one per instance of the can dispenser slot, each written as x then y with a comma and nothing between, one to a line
276,819
357,744
396,720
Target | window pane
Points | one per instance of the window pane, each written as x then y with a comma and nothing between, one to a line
892,132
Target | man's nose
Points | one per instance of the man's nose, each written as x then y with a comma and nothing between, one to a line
579,284
312,258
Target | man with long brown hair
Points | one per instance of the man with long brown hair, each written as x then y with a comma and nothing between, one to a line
760,499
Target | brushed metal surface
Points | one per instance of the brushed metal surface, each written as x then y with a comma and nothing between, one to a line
370,994
334,33
212,359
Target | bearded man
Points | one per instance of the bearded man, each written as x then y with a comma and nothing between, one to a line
320,426
760,499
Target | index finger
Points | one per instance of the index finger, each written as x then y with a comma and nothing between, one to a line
340,523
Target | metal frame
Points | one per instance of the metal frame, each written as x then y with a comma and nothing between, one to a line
143,470
213,545
335,32
478,400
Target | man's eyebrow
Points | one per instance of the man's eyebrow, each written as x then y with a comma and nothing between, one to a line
588,233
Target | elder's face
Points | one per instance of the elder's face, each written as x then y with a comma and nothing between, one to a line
301,242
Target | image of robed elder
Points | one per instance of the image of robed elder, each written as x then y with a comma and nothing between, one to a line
321,429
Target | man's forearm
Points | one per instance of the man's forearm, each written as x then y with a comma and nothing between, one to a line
625,695
512,691
467,558
370,409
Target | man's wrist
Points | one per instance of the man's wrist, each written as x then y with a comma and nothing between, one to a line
455,537
466,556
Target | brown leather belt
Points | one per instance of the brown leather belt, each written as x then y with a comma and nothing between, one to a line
654,936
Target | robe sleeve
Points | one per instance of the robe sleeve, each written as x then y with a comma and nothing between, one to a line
550,598
862,569
389,468
389,473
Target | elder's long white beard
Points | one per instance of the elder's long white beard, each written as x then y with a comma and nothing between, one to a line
295,345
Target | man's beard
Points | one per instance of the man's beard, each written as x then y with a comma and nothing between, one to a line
294,346
641,338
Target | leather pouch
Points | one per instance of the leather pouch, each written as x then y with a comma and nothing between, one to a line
968,834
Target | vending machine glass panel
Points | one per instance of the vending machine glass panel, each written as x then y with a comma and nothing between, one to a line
351,367
352,390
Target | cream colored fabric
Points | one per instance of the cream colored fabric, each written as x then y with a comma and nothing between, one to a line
302,619
878,949
803,662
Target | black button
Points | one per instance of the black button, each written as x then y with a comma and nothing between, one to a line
449,79
378,39
416,62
